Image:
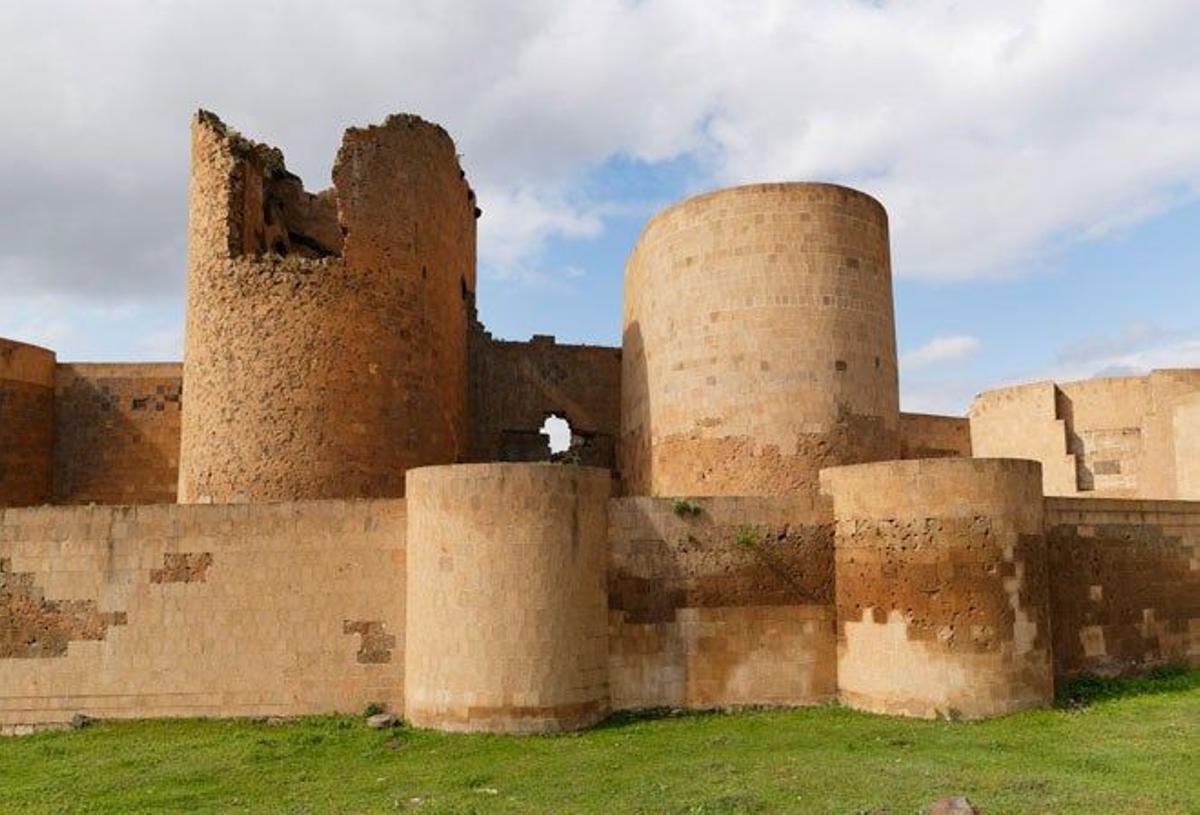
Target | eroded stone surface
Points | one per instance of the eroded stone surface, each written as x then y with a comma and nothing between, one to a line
32,627
183,567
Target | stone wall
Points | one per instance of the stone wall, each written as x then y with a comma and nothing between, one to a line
117,433
26,423
923,435
506,605
1121,437
720,601
1126,577
515,386
942,590
324,358
759,342
1025,422
268,609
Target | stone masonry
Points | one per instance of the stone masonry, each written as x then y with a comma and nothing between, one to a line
343,495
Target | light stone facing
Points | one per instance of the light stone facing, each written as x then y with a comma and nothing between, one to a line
1118,437
759,342
132,612
507,606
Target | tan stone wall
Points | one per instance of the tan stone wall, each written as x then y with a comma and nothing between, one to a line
1025,422
26,423
942,591
324,362
117,433
1119,437
730,604
268,609
514,386
759,342
506,601
923,435
1171,431
1185,428
1126,578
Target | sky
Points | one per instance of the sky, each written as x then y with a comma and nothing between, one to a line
1039,159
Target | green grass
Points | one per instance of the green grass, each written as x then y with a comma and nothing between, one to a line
1117,746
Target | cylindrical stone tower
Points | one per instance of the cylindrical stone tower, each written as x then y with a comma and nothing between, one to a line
26,424
941,585
507,609
759,342
326,334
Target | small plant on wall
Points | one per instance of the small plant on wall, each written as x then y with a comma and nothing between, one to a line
746,538
685,508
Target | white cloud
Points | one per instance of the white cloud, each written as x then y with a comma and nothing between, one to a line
1139,347
940,350
993,132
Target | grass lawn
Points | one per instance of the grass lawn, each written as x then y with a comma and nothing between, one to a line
1132,746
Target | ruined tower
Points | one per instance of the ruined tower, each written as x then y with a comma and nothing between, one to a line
759,342
326,333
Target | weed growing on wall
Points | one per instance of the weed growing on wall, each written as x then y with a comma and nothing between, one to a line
684,508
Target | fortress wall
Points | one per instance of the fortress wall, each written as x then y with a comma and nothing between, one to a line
506,602
1125,437
26,423
728,605
1105,420
759,342
514,386
1126,578
1172,426
942,590
923,435
168,610
285,329
117,433
1024,422
1185,428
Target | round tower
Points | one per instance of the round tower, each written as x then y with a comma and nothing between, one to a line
942,587
26,424
326,333
507,607
759,342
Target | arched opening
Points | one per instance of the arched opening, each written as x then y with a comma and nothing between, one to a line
557,431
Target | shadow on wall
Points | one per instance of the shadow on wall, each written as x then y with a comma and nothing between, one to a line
707,609
633,447
1064,410
117,436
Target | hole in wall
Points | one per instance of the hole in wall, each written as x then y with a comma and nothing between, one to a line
557,431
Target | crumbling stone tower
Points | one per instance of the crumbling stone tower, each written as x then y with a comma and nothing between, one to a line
759,342
326,333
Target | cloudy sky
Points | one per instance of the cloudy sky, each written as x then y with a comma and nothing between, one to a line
1040,159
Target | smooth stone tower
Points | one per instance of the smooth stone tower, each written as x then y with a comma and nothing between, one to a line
759,342
507,610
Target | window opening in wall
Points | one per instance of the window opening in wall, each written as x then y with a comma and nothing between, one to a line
558,433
